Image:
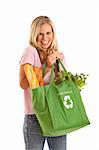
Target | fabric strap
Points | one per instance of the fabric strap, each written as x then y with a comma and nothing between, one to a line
52,70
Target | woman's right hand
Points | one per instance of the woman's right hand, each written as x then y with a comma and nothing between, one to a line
52,57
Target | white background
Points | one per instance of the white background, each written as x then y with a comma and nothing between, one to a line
77,31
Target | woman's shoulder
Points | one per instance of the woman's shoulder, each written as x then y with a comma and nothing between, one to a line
30,55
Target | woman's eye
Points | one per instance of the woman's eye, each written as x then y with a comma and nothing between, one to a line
48,32
40,33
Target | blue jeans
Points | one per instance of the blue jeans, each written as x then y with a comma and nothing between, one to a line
34,139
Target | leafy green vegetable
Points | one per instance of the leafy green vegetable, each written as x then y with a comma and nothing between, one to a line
79,79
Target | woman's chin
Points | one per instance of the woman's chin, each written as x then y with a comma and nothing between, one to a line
45,47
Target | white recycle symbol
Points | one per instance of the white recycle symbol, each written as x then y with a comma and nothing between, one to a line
68,102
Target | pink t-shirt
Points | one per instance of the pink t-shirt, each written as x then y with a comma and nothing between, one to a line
31,56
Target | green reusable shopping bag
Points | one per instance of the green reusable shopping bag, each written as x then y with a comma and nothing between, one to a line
59,108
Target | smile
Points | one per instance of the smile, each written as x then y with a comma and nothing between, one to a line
45,43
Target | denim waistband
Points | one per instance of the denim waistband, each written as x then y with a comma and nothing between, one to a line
30,116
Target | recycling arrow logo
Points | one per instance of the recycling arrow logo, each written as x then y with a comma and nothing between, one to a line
68,102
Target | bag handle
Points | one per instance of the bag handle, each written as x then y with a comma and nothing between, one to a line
59,61
52,69
43,70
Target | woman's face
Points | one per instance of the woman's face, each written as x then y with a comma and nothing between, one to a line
45,36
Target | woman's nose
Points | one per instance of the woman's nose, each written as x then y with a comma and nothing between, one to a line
45,37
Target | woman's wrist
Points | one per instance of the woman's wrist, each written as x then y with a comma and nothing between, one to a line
47,69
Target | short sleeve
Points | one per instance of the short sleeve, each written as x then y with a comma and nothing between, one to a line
30,56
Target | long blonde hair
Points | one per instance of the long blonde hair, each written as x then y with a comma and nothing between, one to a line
34,31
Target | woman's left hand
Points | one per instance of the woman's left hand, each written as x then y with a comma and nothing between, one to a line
57,54
60,56
53,56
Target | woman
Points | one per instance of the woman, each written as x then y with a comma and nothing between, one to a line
43,49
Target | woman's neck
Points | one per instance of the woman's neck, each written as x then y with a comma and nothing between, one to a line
43,56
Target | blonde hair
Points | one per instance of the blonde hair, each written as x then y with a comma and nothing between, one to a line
34,31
